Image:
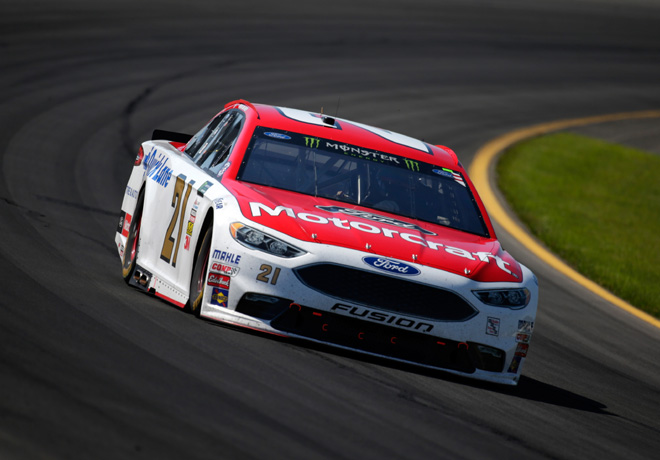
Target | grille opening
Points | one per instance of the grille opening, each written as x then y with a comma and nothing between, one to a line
386,292
261,306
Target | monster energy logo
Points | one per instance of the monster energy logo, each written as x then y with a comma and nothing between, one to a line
412,165
312,142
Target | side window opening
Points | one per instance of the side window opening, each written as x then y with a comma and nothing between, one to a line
216,141
200,138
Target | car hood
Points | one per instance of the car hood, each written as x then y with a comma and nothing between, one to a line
376,233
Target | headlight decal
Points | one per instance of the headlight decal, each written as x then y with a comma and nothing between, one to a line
506,298
256,239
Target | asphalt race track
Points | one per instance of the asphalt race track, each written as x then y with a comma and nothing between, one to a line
90,369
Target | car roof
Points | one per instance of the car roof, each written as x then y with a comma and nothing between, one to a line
348,132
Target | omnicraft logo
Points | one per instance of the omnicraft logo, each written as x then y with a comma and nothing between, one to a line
391,266
345,224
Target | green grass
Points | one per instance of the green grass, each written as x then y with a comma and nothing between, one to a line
594,204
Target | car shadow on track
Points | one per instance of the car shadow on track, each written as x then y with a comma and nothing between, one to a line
535,390
528,388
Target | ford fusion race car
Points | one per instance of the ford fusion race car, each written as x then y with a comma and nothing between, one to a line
302,225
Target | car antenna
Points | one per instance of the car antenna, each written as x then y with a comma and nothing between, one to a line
326,119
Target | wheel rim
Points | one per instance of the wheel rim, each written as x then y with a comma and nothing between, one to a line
201,279
132,243
198,278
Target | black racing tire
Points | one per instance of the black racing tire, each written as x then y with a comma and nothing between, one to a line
132,247
199,272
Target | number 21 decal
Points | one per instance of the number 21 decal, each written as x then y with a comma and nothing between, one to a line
264,275
171,244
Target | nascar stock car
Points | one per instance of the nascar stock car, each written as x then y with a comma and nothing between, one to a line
303,225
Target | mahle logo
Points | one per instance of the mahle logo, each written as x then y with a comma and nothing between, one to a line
412,165
312,142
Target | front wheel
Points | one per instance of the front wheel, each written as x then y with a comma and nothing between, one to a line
198,276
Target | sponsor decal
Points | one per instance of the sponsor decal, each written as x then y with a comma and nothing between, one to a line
223,169
375,218
204,187
127,225
121,250
220,297
224,269
526,326
130,191
281,136
382,317
155,166
189,227
218,280
218,203
312,142
120,226
493,326
228,257
444,172
359,152
392,266
515,364
523,338
257,208
521,349
412,165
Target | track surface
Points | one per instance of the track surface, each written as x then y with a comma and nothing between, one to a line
92,369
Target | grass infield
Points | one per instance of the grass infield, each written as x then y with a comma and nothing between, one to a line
594,204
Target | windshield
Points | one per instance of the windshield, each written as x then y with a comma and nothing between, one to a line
369,178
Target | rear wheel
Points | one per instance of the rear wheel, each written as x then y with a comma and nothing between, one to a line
133,242
198,277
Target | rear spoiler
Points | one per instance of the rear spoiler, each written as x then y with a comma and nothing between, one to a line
171,136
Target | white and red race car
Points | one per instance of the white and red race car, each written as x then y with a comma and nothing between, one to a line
303,225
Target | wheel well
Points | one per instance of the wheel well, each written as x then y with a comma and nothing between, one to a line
208,223
143,194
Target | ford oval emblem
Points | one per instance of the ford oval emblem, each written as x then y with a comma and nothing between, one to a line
389,265
443,173
281,136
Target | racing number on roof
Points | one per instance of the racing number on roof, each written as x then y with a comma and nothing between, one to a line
171,244
311,118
